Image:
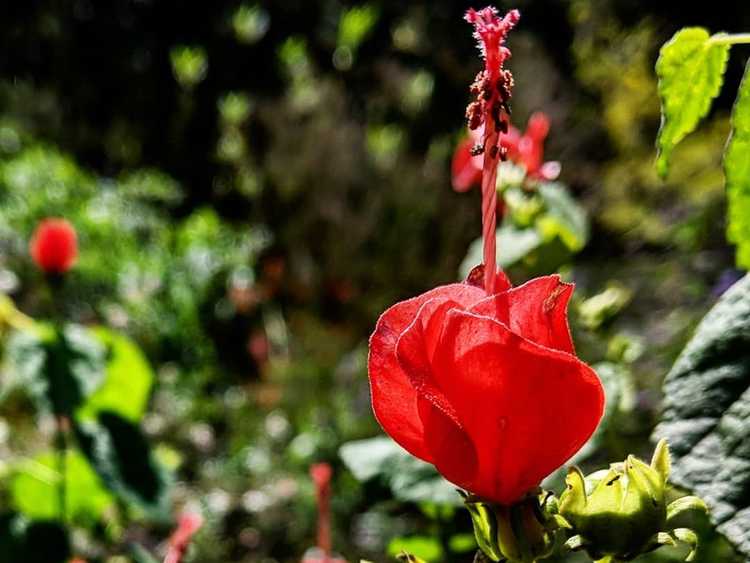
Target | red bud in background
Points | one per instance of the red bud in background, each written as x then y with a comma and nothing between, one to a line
188,524
54,246
321,474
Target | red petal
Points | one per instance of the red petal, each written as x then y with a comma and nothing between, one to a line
536,310
445,436
538,126
466,170
509,141
394,399
476,278
526,408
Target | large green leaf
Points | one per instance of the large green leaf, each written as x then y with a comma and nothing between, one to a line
737,170
35,487
122,457
690,69
409,479
707,414
59,370
128,379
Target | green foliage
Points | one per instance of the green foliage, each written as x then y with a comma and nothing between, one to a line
122,457
417,547
35,489
60,370
355,24
250,23
408,478
706,414
189,65
127,382
691,71
542,227
737,170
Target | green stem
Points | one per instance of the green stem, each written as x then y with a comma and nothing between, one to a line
61,445
730,39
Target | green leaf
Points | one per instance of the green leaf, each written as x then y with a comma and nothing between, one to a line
707,414
563,217
737,171
513,244
690,69
408,478
419,547
58,370
122,457
35,487
128,379
140,555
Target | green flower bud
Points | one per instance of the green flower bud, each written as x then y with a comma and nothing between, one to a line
621,513
519,533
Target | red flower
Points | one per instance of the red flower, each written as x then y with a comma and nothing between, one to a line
526,150
485,387
188,524
321,474
54,246
481,378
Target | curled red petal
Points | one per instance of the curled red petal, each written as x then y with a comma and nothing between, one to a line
526,408
444,437
536,310
394,399
476,278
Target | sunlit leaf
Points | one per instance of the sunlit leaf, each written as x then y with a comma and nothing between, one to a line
416,549
128,379
737,170
35,488
690,69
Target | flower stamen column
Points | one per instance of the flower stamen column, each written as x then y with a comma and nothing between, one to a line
490,108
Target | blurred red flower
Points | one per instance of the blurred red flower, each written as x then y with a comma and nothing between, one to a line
321,474
525,149
54,246
187,526
487,388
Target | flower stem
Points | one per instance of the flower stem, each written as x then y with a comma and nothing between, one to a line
730,39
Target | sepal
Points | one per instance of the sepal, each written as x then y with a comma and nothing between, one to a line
519,533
